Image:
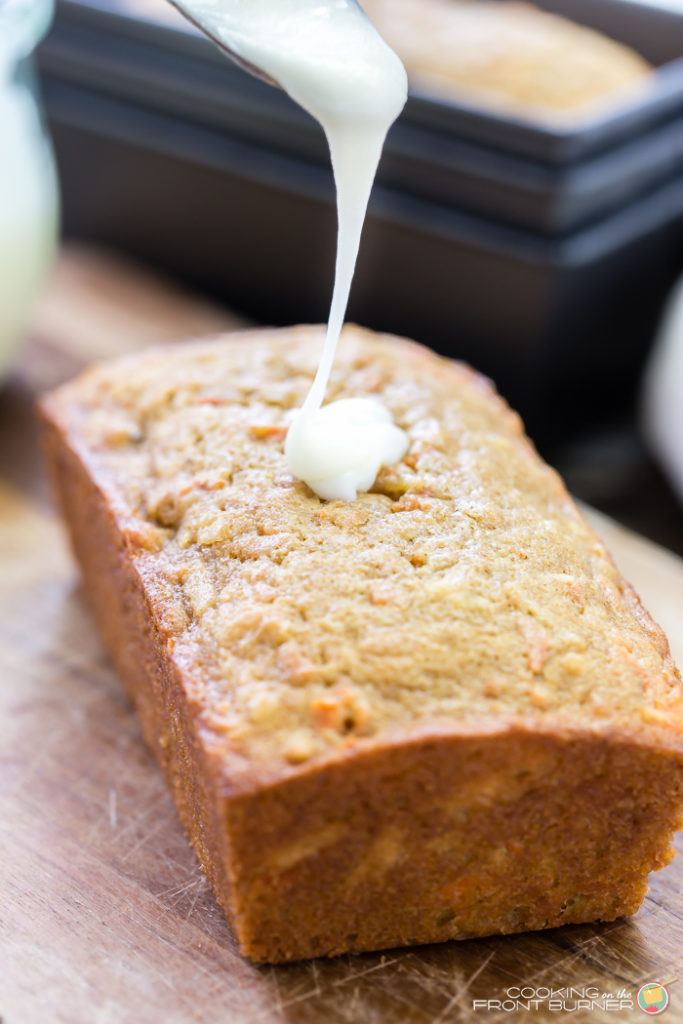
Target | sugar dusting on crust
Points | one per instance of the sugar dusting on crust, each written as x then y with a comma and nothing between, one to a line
466,584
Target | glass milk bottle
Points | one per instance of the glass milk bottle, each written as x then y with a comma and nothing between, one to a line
28,186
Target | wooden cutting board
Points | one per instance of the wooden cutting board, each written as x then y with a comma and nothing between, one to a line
105,916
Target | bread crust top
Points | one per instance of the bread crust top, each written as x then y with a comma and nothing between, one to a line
465,588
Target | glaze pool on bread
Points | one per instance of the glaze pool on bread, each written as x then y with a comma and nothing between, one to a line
434,712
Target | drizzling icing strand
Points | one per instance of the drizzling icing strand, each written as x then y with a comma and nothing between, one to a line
329,58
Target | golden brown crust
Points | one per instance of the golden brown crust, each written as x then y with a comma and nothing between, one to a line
432,825
139,648
497,830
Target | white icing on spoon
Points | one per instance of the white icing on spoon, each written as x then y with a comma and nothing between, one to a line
329,58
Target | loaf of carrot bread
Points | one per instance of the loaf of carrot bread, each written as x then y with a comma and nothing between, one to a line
507,53
434,712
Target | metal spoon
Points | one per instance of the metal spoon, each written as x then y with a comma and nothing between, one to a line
203,16
191,16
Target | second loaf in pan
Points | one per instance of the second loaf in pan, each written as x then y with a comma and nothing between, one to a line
434,712
508,54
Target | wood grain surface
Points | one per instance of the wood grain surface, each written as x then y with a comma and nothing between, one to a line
105,917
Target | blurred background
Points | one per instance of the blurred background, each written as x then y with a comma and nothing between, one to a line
527,216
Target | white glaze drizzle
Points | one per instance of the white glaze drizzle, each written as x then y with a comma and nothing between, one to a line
329,58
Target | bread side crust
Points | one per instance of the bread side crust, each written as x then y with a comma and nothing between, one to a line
442,831
500,829
140,652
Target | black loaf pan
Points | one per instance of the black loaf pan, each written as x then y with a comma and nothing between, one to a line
561,325
539,177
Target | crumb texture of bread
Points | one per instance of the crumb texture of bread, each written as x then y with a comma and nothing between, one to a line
383,721
506,52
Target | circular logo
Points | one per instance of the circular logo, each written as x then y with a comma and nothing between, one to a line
653,998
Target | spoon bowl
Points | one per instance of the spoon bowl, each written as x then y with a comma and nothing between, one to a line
193,12
188,14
